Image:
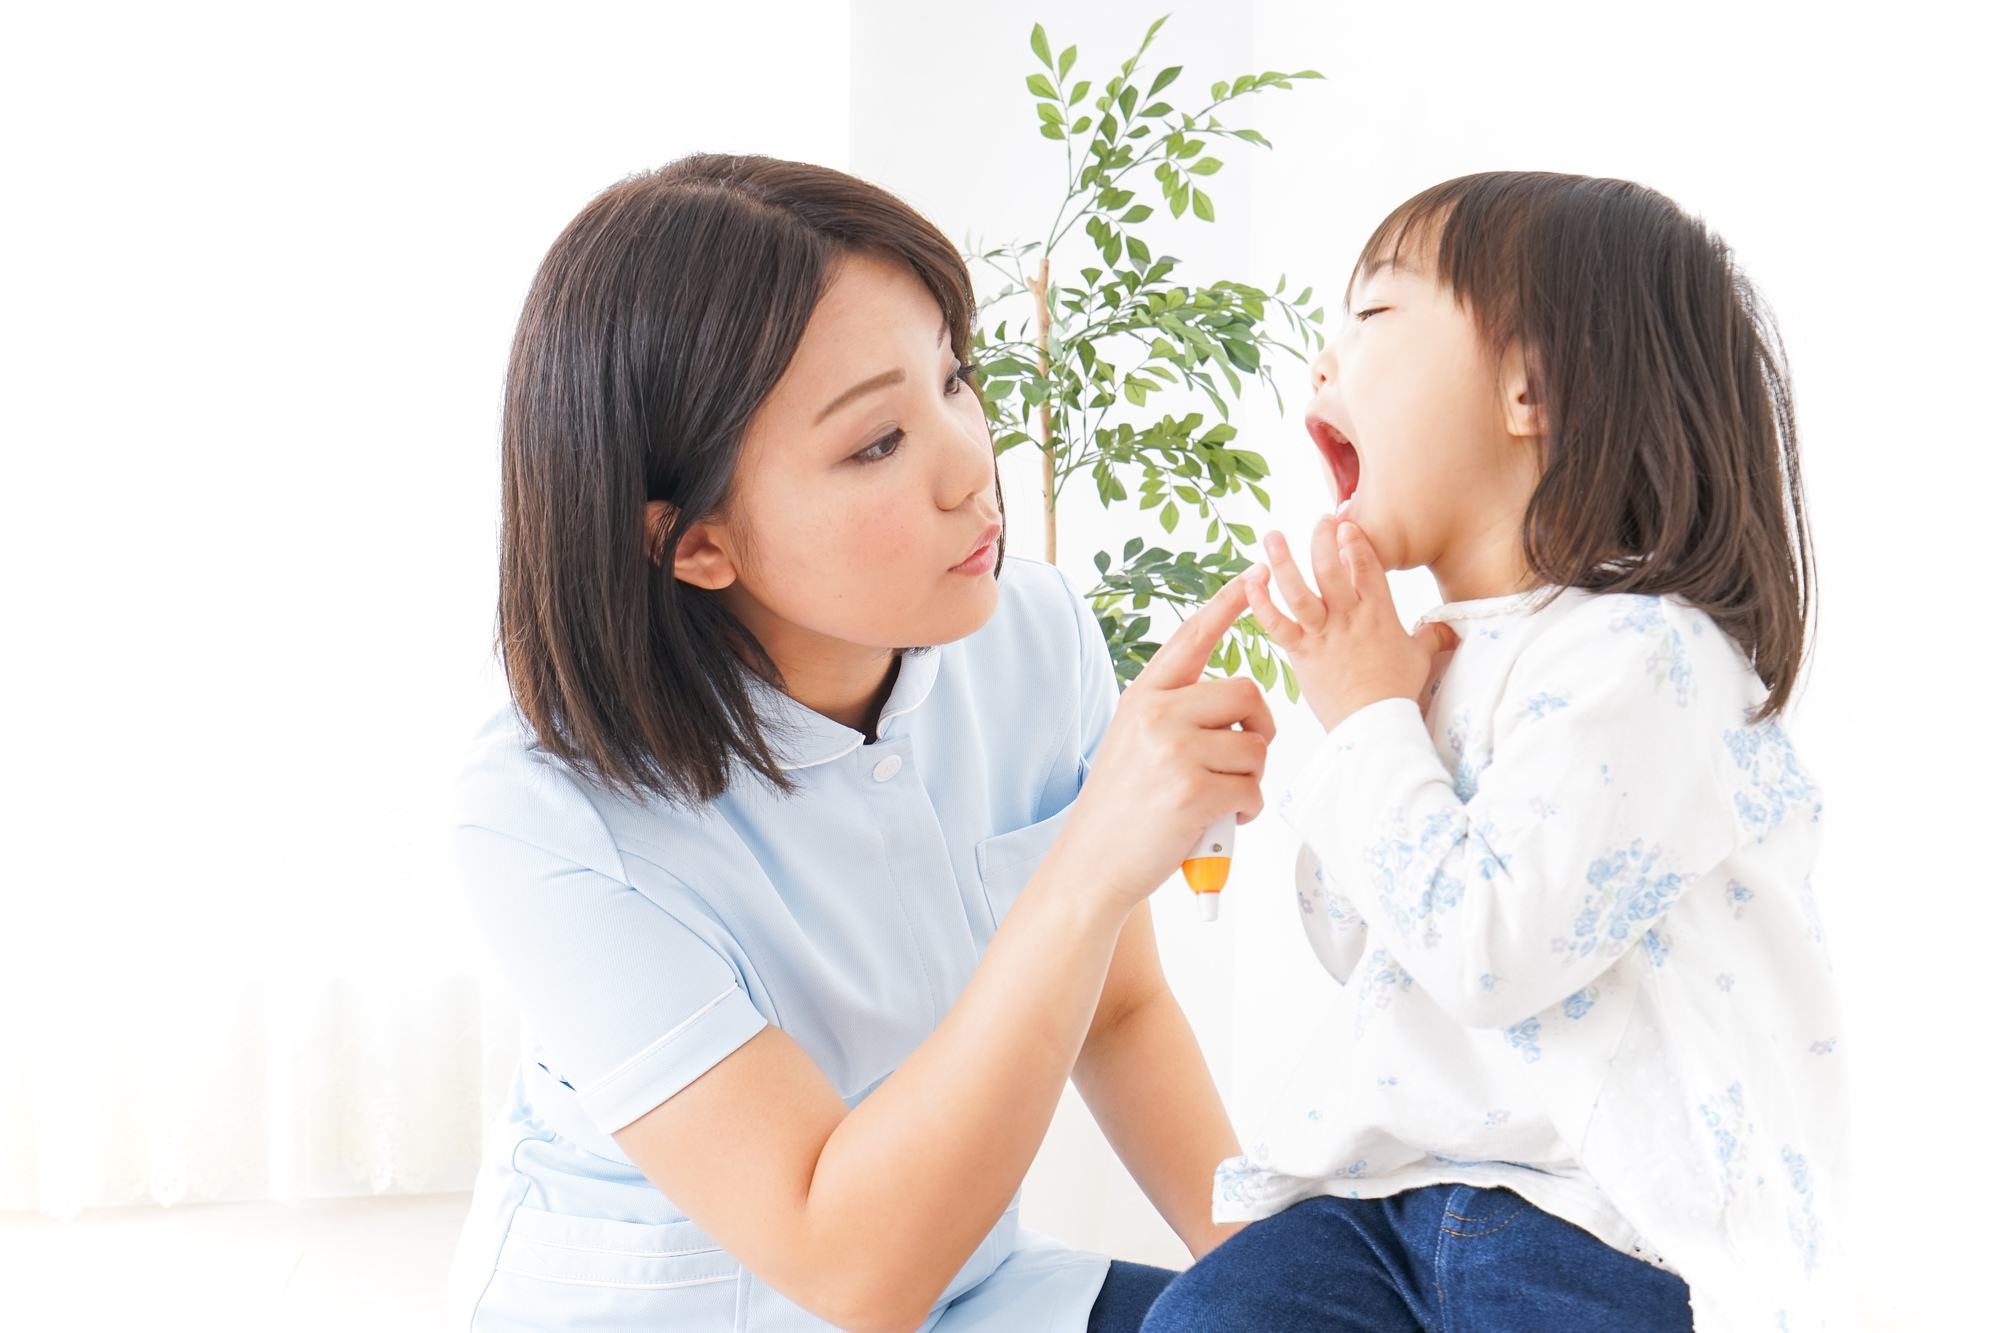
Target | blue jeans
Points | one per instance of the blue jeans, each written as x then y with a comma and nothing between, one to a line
1445,1259
1128,1292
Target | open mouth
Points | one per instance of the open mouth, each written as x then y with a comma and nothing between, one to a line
1341,459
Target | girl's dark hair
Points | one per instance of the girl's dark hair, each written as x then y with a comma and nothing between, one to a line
1670,460
658,324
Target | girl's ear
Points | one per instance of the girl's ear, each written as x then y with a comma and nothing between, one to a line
699,558
1520,405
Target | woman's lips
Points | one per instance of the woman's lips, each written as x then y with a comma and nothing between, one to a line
1341,458
984,556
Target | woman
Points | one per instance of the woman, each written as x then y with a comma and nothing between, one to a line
815,848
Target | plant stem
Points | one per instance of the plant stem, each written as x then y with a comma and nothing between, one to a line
1039,286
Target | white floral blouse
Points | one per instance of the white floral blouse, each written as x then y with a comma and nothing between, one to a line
1570,906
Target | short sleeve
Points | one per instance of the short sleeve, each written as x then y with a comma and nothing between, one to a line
630,1006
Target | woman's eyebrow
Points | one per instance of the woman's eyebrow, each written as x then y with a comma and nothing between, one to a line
882,381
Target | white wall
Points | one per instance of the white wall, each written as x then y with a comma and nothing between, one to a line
1846,152
262,264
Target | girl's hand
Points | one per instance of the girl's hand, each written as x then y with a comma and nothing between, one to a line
1172,761
1347,646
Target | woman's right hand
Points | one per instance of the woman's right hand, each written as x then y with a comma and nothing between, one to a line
1180,753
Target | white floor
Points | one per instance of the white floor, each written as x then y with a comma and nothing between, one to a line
376,1264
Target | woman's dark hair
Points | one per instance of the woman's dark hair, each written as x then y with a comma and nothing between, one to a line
1670,459
658,324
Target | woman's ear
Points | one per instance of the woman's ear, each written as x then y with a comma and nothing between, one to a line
1520,403
699,557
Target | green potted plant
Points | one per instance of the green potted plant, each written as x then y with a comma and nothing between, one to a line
1068,361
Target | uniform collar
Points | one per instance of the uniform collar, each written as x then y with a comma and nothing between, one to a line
801,738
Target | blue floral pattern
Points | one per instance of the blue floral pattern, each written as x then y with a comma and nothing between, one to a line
1773,784
1668,661
1629,888
1578,882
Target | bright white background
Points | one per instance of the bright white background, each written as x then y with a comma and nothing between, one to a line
260,270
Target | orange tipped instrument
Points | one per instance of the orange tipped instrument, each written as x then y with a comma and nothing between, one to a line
1206,866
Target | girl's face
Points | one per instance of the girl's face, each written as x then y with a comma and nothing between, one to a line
1429,442
865,515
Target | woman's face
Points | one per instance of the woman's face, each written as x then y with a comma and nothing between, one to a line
865,512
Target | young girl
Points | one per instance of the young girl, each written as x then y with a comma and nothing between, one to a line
1585,1072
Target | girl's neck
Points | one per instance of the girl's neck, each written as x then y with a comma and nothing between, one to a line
1486,563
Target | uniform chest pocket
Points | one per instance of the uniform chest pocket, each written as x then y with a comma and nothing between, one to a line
1008,860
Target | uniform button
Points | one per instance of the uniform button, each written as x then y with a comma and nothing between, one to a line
888,768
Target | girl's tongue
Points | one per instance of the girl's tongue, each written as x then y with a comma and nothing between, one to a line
1341,459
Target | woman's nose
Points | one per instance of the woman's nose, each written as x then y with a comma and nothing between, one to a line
1322,368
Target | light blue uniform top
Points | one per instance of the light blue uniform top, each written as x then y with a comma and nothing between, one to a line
645,943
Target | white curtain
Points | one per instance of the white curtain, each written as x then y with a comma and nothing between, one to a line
268,1089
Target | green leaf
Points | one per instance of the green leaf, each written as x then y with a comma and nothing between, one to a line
1291,682
1038,42
1165,77
1177,201
1208,166
1078,93
1203,208
1157,109
1039,85
1052,131
1049,113
1137,213
1136,247
1243,533
1068,59
1217,91
1232,658
1170,518
1082,124
1133,548
1242,85
1127,100
1103,561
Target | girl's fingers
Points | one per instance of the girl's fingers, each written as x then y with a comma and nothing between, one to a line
1305,603
1336,588
1283,630
1369,580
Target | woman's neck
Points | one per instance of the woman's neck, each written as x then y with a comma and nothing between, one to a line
844,682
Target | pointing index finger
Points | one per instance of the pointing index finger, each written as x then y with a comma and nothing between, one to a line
1184,655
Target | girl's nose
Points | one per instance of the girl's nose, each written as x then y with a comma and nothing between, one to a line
1322,368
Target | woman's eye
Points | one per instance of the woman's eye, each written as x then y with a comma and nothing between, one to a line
1361,315
882,448
957,380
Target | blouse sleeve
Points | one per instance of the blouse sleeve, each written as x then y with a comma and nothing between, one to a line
1504,889
629,1005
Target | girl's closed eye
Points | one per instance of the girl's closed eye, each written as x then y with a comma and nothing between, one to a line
1362,315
